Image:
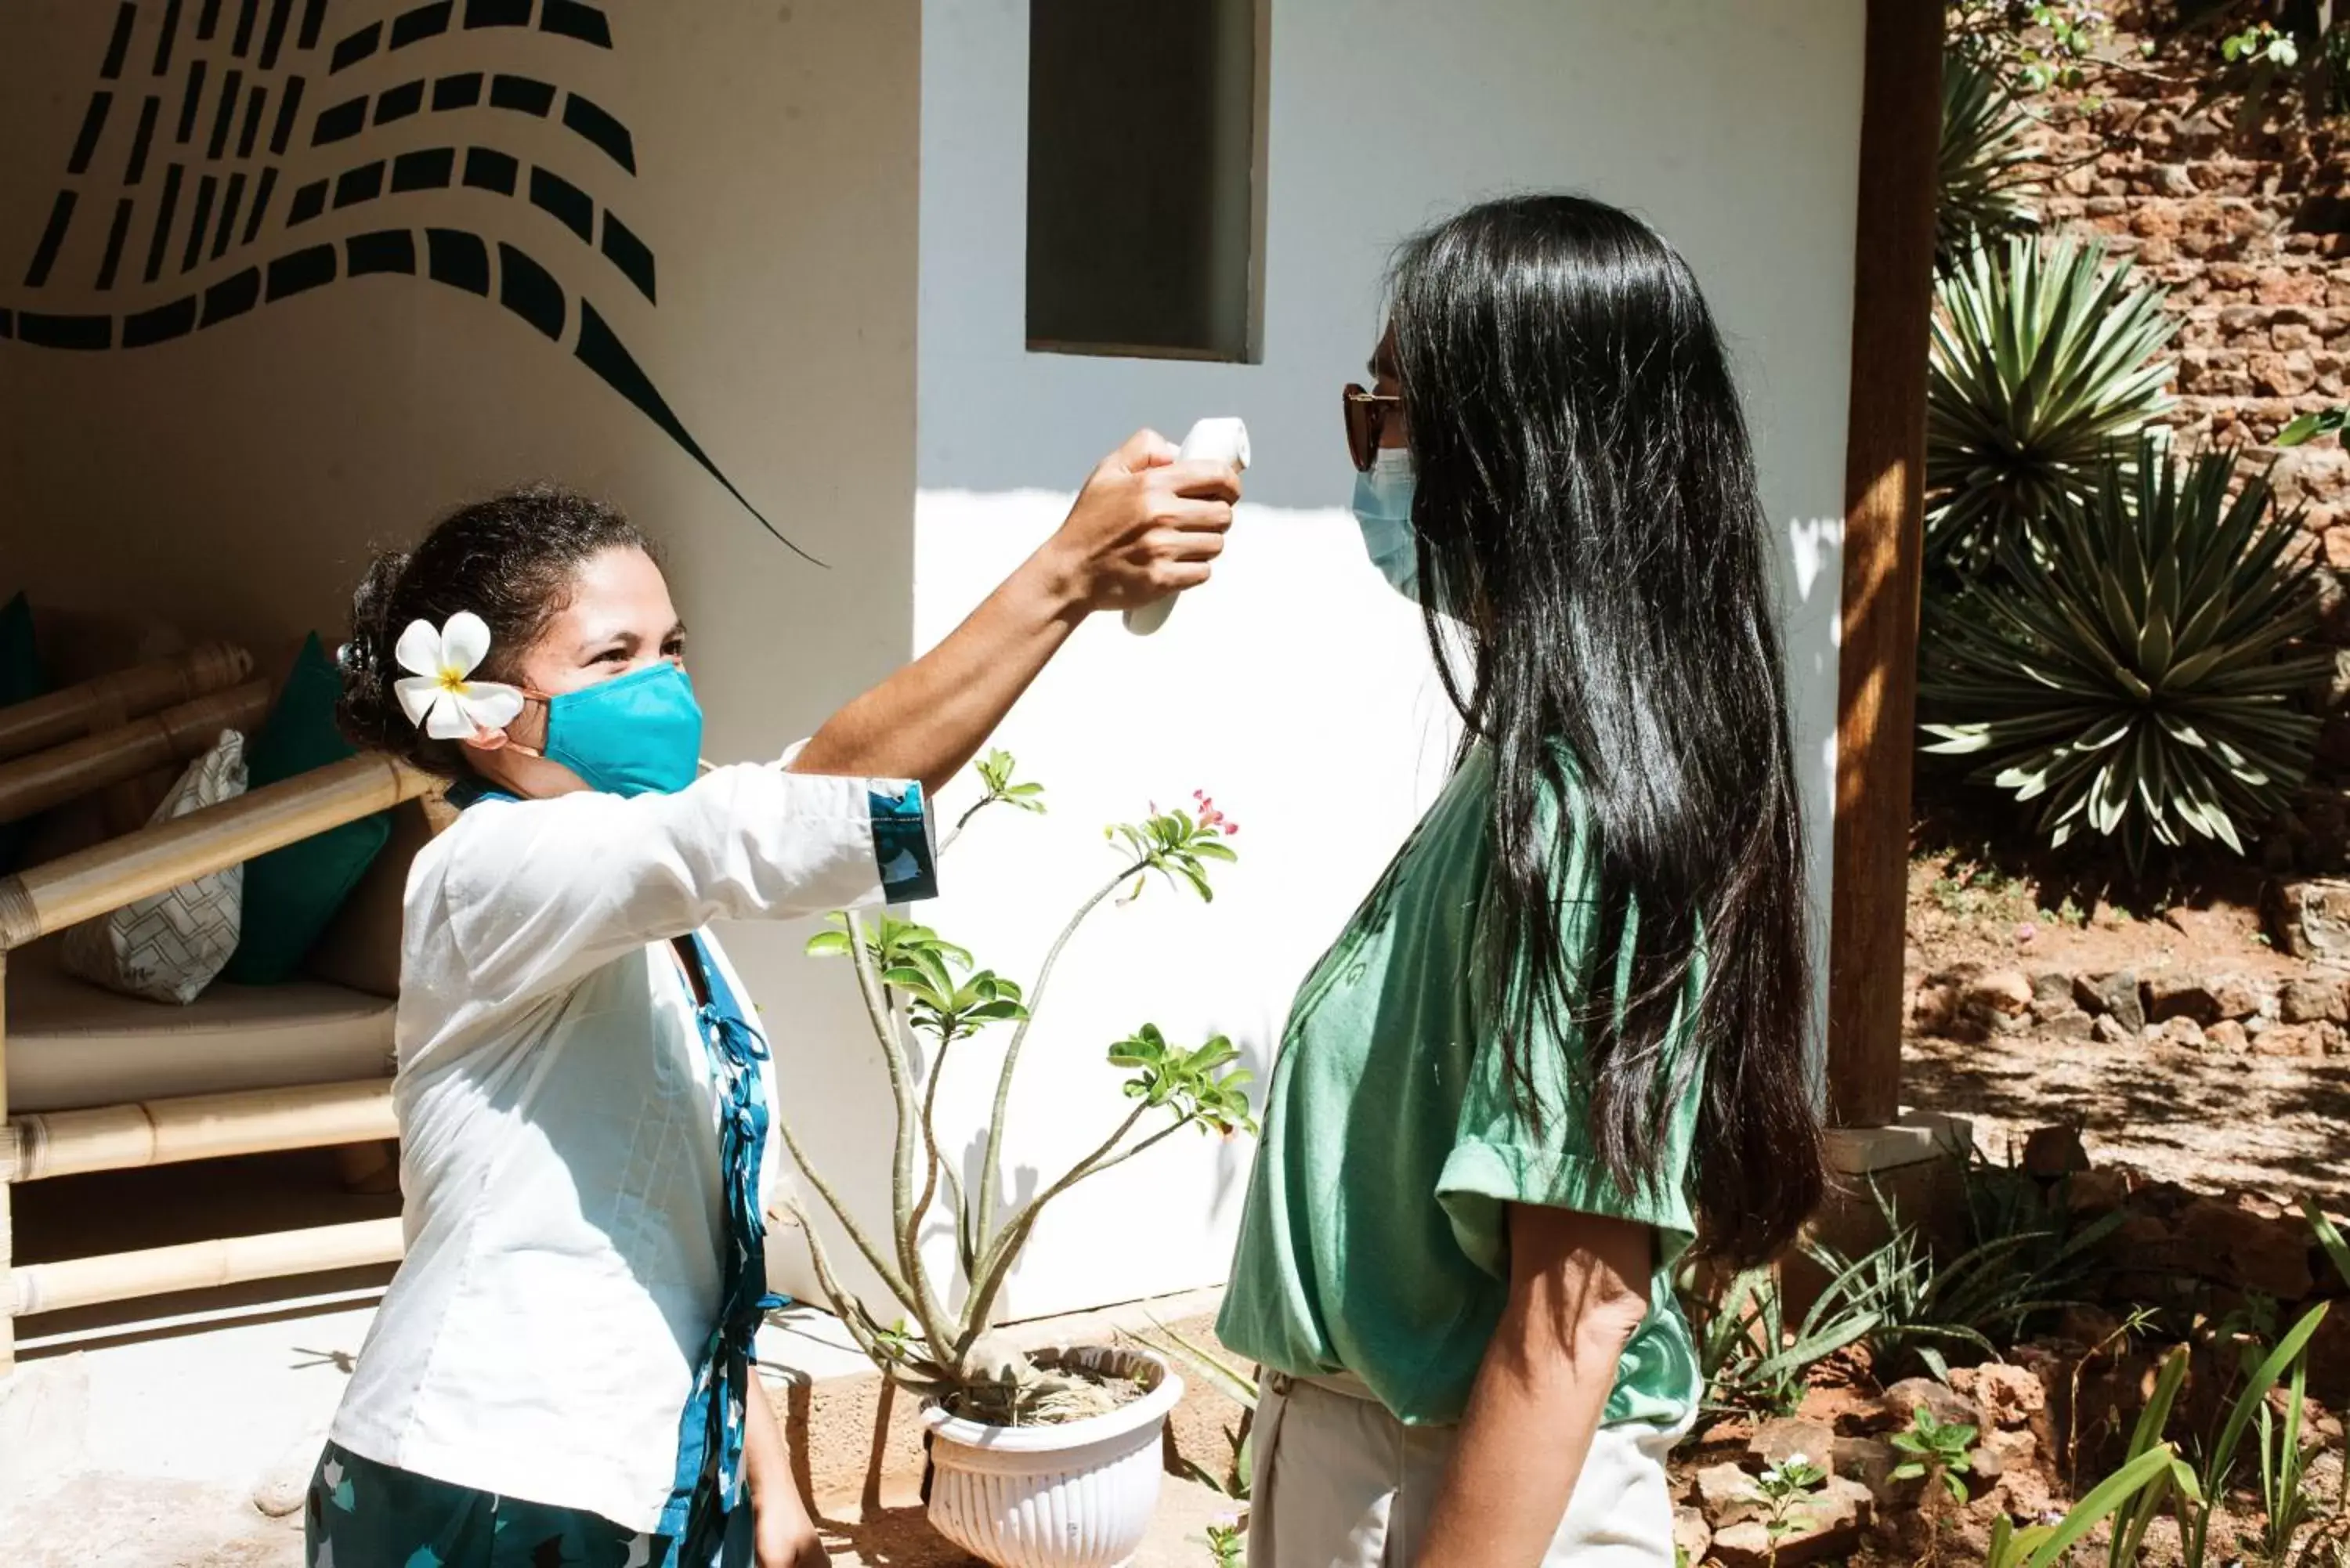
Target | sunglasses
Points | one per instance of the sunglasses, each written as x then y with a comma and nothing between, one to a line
1367,415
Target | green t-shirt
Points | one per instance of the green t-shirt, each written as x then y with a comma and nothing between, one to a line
1373,1241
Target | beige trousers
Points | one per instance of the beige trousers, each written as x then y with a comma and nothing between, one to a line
1341,1483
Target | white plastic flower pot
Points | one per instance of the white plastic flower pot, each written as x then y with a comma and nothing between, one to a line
1076,1495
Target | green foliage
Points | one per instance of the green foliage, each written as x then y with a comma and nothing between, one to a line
1785,1490
2040,359
2029,45
1983,192
2309,427
1174,844
998,787
2329,1236
2047,1545
2134,673
912,979
1943,1450
2197,1506
1201,1085
1979,1302
1751,1364
917,963
2288,56
1227,1379
2144,1506
1228,1542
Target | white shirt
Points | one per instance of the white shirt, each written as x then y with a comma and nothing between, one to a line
559,1157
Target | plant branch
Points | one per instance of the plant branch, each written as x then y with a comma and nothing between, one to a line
984,1199
890,1276
997,1256
933,1164
921,1298
845,1306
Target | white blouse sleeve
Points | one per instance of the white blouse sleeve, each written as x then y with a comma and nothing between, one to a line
537,894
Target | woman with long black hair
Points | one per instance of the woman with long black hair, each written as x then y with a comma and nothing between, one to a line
1563,1040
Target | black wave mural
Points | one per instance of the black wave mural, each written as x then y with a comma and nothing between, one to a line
225,157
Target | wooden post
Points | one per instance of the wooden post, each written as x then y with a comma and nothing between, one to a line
1893,295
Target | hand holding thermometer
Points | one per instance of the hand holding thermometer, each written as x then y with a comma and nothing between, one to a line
1215,439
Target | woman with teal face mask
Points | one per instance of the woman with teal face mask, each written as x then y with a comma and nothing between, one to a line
1562,1041
560,1371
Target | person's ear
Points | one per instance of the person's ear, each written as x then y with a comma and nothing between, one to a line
486,739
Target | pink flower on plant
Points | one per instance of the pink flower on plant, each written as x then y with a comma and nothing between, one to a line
1211,818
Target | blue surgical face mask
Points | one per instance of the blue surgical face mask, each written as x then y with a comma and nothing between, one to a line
1383,511
638,734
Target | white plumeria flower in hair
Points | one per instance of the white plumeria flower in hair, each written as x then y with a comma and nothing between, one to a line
436,694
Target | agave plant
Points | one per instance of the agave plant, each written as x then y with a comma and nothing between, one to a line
2135,669
2041,361
1982,189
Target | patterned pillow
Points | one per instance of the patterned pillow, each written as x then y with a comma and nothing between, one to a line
168,947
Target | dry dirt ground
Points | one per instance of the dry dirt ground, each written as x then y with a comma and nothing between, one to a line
2208,1119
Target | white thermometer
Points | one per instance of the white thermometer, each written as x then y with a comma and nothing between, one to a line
1218,441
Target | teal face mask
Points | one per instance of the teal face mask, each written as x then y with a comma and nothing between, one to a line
638,734
1383,512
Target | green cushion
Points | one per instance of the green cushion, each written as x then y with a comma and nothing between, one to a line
292,894
21,679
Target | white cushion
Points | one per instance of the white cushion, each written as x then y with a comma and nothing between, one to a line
168,946
73,1046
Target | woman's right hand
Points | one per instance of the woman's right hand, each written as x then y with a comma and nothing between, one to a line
1144,527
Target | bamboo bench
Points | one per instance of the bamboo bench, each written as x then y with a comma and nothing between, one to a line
99,1082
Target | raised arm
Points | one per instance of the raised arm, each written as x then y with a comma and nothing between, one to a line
1144,527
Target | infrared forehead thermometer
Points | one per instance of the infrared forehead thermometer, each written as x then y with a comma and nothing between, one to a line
1215,440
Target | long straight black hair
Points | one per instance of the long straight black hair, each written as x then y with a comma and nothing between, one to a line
1586,505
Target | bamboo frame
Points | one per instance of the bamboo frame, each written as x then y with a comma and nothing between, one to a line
98,880
196,1127
111,700
33,783
105,877
202,1265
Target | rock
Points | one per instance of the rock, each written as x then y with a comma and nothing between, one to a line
2094,1192
2228,1037
2052,994
2290,1040
1932,1007
2052,1152
2109,1030
2171,993
2238,998
1829,1523
2312,1000
2111,995
2272,1256
1871,1461
1900,1402
2183,1033
2311,919
1727,1494
2025,1493
1782,1435
2002,991
2007,1396
1692,1536
2071,1023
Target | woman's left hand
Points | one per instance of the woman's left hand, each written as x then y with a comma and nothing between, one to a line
785,1537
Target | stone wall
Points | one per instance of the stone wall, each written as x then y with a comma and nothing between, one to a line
2251,237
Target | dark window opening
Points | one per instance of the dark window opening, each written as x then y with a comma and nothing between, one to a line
1145,177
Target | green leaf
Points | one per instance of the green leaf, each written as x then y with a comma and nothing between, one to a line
828,944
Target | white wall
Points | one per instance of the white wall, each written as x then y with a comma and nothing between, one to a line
1296,690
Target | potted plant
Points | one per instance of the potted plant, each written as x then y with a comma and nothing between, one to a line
1049,1461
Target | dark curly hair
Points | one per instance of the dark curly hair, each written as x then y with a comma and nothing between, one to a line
511,559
